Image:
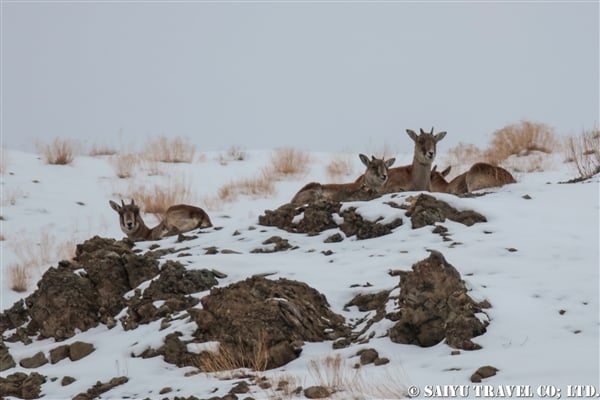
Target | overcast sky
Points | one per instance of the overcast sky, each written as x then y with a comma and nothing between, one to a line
327,76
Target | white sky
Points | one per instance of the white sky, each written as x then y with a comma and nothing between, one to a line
327,76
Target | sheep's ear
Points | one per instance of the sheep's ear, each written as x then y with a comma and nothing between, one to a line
390,162
364,159
440,136
413,135
114,206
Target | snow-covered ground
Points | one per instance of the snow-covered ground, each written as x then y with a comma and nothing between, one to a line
544,320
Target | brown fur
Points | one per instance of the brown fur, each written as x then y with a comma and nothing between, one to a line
416,176
479,176
367,185
178,219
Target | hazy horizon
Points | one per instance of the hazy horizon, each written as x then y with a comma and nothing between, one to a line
322,76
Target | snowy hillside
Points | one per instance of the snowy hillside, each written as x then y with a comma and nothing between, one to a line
535,260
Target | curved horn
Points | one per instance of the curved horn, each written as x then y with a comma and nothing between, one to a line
432,130
122,203
422,131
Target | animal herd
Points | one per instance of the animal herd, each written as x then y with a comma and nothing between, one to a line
378,179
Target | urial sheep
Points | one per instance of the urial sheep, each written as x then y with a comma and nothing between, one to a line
369,185
479,176
416,176
178,219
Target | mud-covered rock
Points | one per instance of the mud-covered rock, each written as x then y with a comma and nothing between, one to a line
259,314
101,387
483,373
434,306
21,385
322,215
427,210
35,361
317,217
79,350
6,360
355,224
175,279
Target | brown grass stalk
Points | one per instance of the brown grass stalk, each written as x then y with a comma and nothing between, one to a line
156,199
235,356
99,151
584,152
18,276
260,186
521,139
340,166
59,151
174,150
289,162
125,165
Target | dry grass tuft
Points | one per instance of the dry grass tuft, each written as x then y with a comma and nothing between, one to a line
289,162
99,151
340,166
156,199
59,152
337,375
175,150
33,255
125,164
18,276
235,356
260,186
584,152
464,154
521,139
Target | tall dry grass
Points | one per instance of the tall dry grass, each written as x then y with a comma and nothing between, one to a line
584,152
169,150
125,165
288,162
338,376
234,153
235,356
101,150
33,255
259,186
521,139
339,167
59,151
156,199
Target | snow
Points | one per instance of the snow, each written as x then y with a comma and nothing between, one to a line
555,267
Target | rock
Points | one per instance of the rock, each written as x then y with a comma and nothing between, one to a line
22,385
67,380
78,350
6,360
317,392
355,224
434,305
368,356
280,245
59,353
483,373
381,361
335,238
36,361
240,387
270,318
100,387
427,210
165,390
175,279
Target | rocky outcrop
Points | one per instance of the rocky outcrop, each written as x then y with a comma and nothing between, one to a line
434,305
